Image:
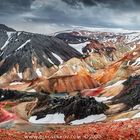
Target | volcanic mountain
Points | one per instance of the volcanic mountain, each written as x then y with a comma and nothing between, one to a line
22,52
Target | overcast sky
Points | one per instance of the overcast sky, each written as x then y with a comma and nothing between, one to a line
48,16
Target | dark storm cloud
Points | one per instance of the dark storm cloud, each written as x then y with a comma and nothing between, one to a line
90,13
137,1
131,5
77,2
96,2
14,6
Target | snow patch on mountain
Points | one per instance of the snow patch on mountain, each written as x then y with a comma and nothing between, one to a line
116,84
90,119
50,61
102,99
20,75
58,57
122,119
16,83
137,62
132,37
23,45
79,46
58,118
136,116
9,34
38,72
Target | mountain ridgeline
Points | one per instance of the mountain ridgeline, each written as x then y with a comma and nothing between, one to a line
6,28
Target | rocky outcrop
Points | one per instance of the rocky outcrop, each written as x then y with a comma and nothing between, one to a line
130,93
72,107
40,104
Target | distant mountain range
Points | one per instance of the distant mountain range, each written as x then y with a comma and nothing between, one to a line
80,36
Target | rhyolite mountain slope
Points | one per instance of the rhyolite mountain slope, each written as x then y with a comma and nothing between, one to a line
23,50
81,36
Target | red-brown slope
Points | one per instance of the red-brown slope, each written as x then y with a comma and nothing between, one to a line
97,131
